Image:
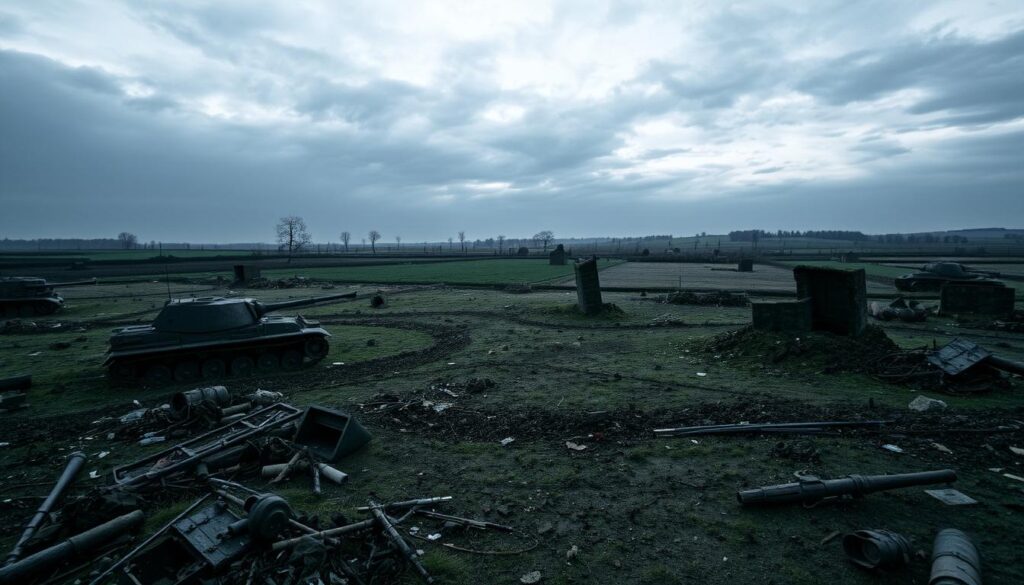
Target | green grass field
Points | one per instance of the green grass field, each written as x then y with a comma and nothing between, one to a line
468,272
872,269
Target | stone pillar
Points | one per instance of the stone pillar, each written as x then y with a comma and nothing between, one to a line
588,287
557,256
838,298
245,272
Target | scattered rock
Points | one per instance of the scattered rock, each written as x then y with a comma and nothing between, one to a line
925,404
530,578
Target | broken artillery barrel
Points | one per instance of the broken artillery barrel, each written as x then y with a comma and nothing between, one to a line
77,546
955,560
264,308
815,490
75,462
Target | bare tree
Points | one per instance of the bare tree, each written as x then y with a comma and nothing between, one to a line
501,244
545,236
128,240
462,241
292,234
345,237
374,235
398,243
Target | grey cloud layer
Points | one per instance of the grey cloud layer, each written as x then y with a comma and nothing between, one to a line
328,137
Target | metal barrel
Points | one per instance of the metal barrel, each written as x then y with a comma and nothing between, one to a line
955,560
264,308
77,546
182,402
75,462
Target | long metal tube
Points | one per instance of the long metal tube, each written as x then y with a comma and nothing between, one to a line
763,427
264,308
853,485
75,462
76,546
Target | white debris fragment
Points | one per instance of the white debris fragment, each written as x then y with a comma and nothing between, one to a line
942,448
575,446
1017,450
504,442
701,374
435,536
924,404
530,578
572,553
893,448
94,474
102,454
1012,476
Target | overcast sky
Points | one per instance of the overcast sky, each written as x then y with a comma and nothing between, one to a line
208,121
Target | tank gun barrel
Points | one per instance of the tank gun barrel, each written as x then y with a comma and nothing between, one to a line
814,490
73,283
264,308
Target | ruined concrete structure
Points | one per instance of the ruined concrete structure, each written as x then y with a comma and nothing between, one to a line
588,286
557,256
979,298
246,272
838,298
789,316
746,265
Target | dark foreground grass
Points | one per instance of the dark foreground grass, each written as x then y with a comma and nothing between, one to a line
637,508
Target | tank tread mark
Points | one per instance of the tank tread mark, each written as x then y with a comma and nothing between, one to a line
221,364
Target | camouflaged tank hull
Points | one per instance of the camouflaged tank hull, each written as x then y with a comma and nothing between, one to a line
212,338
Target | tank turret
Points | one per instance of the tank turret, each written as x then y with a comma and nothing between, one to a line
27,296
214,337
935,274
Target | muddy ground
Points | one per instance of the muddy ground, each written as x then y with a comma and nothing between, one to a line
525,367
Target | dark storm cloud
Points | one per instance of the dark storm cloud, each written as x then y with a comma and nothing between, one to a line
975,81
409,123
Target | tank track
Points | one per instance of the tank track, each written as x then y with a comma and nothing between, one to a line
27,308
237,361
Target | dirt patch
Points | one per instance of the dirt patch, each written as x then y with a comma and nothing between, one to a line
824,351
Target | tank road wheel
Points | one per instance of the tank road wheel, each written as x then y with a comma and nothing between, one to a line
316,349
26,311
291,360
214,368
120,373
242,365
186,371
45,308
158,375
268,362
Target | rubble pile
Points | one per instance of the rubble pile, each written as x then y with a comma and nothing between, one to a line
231,533
830,352
722,298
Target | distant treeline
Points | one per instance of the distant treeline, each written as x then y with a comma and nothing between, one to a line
757,235
66,244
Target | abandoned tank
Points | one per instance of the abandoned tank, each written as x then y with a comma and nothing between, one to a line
935,274
27,296
214,337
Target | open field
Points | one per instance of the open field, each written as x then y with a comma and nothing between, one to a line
702,276
639,509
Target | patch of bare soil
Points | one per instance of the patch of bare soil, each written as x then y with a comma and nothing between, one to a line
825,351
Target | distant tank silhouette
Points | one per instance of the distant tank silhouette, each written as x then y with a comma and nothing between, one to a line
27,296
935,274
214,337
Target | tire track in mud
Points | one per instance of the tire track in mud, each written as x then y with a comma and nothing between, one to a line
501,316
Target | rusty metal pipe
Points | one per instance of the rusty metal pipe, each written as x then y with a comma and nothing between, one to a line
75,462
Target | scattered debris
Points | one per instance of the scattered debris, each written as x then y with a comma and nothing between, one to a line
925,404
715,299
530,578
909,311
951,497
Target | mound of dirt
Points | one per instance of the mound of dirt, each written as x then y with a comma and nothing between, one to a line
829,352
721,298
